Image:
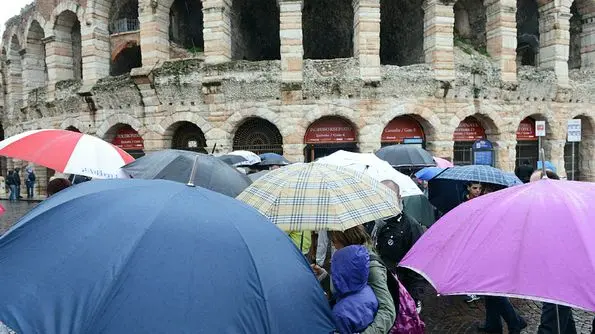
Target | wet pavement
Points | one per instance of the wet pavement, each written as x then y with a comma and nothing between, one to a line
441,314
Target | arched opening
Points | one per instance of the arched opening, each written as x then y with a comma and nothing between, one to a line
578,155
470,25
126,138
527,23
255,28
328,135
327,27
527,149
130,57
68,36
403,130
259,136
14,75
35,68
188,137
469,131
576,32
123,16
73,129
401,32
186,25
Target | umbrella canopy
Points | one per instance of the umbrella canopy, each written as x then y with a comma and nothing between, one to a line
255,176
164,258
448,189
233,160
319,197
406,156
443,163
370,164
428,173
420,208
67,152
533,241
176,165
272,159
250,158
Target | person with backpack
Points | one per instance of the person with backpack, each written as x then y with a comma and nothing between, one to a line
393,238
11,186
356,303
30,183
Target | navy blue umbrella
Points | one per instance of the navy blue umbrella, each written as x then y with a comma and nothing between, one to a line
154,256
272,159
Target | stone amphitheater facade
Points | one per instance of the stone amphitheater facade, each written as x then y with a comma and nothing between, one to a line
218,75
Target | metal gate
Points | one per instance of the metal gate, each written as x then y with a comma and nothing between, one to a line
463,153
189,137
568,161
527,150
259,136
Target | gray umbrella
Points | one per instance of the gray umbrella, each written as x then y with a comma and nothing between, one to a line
406,156
258,175
176,165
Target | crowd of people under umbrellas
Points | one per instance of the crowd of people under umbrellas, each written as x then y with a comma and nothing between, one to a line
355,266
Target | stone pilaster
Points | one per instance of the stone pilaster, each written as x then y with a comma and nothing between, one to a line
588,41
554,152
52,59
292,48
506,153
587,152
154,32
501,36
554,35
366,38
439,22
217,30
14,86
96,54
441,148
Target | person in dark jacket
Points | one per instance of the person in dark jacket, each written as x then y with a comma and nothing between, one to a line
12,187
393,238
17,181
524,171
356,303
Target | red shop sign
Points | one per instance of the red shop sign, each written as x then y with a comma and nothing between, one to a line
330,130
469,130
526,130
402,128
128,139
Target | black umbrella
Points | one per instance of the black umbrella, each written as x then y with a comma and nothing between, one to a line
406,156
272,159
232,160
176,165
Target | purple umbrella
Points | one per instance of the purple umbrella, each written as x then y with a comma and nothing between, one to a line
535,241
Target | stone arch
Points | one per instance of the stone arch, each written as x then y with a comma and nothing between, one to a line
63,6
14,74
330,35
470,24
36,17
237,119
74,123
112,121
490,129
494,125
428,120
165,127
67,31
258,135
256,27
401,32
320,133
125,58
34,67
184,135
528,38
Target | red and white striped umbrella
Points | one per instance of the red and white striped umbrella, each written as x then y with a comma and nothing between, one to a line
68,152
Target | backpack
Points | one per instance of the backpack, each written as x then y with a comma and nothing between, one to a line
31,177
407,320
393,240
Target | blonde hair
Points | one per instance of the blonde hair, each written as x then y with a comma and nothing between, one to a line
353,236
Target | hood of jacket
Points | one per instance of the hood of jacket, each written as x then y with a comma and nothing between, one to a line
350,267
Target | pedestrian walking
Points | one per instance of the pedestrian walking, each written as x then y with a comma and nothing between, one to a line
474,190
17,180
30,183
393,238
11,185
552,314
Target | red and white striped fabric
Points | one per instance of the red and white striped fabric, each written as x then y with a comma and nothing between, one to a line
68,152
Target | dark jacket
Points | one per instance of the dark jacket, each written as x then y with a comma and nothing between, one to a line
17,178
393,248
356,303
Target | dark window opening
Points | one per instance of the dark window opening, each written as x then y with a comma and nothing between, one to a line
186,25
255,30
470,25
328,29
527,21
189,137
576,30
126,60
401,32
124,16
259,136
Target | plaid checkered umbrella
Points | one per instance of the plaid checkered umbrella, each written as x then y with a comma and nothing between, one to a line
479,173
316,197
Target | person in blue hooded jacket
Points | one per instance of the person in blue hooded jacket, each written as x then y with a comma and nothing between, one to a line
356,305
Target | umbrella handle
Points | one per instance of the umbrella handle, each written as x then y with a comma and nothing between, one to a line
193,173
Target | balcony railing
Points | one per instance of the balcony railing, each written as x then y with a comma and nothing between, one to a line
124,25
